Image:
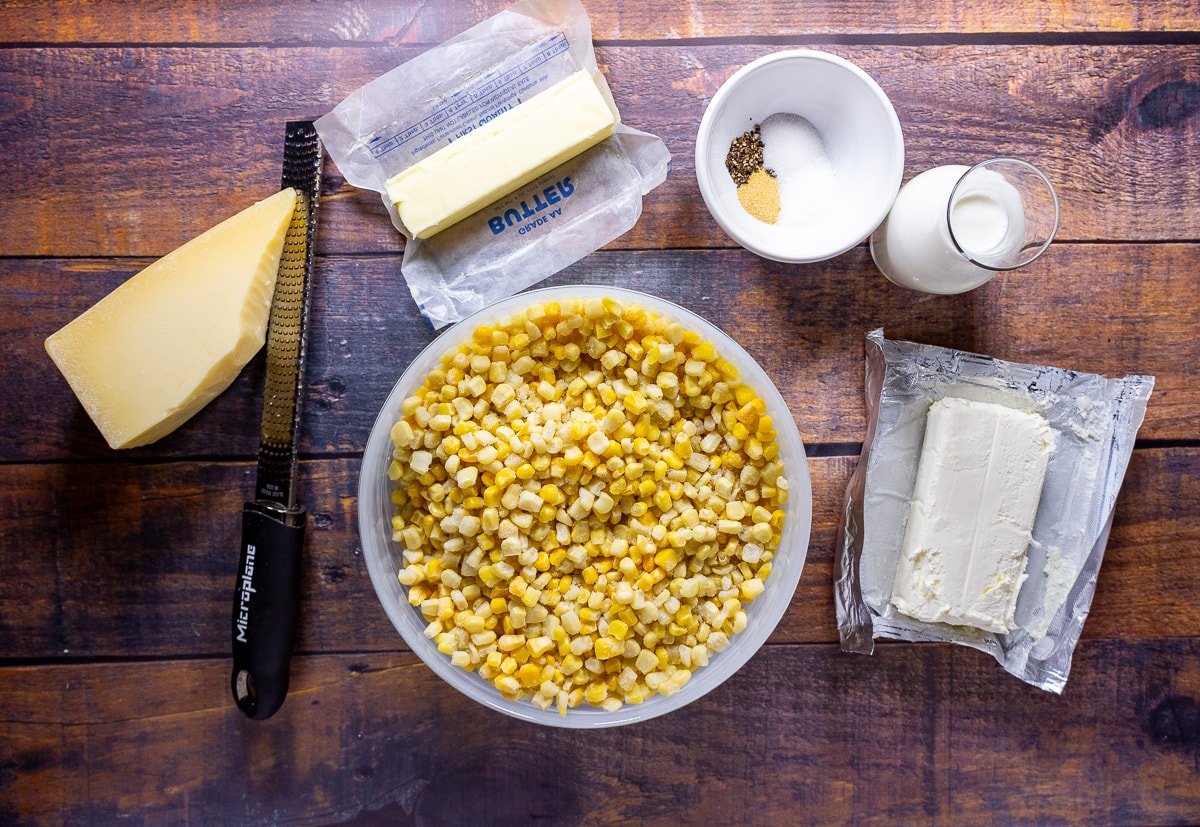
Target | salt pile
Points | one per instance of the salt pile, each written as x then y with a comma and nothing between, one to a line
794,152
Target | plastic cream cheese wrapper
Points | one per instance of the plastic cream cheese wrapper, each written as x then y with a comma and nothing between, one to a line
578,198
1094,420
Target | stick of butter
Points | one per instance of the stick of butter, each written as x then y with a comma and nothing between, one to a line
502,155
160,347
970,521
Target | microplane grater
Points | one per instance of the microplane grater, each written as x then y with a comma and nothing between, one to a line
267,590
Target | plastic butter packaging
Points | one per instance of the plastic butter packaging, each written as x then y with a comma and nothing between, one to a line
500,155
981,504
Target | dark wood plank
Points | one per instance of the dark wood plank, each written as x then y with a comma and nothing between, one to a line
129,129
806,326
131,560
914,734
193,22
178,137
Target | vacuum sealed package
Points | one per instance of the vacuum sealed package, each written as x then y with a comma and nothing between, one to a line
981,505
500,155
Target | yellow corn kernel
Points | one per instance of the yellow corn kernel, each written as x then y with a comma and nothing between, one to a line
635,402
662,500
743,394
596,692
488,576
704,351
530,675
578,428
618,630
751,588
607,647
508,685
473,624
667,559
551,494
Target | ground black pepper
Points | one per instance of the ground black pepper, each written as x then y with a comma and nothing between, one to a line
745,156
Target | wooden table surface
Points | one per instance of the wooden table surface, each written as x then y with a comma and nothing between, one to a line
128,128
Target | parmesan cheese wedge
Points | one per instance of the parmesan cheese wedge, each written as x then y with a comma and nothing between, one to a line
153,352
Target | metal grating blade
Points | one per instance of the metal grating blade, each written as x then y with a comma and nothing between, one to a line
286,329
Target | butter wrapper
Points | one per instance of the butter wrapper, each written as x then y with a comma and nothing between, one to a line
408,114
1095,422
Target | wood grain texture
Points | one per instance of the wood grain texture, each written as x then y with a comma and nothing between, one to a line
806,325
379,21
136,561
129,128
182,138
913,734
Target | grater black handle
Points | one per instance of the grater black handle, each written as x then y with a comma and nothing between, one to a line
265,606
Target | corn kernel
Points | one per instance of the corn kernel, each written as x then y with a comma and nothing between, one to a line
508,685
509,643
596,692
751,588
529,675
618,630
540,645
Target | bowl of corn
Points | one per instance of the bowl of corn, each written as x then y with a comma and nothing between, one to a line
584,506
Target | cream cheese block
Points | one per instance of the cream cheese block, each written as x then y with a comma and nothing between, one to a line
502,155
156,350
970,520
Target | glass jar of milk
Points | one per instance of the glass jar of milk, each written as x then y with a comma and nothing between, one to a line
953,227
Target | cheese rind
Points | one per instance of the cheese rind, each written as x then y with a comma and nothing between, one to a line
154,351
970,520
502,155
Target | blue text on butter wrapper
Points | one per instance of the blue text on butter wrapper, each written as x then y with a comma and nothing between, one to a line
525,211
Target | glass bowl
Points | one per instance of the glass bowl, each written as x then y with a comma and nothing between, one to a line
384,555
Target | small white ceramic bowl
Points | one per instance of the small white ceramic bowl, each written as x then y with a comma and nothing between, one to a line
384,555
862,141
